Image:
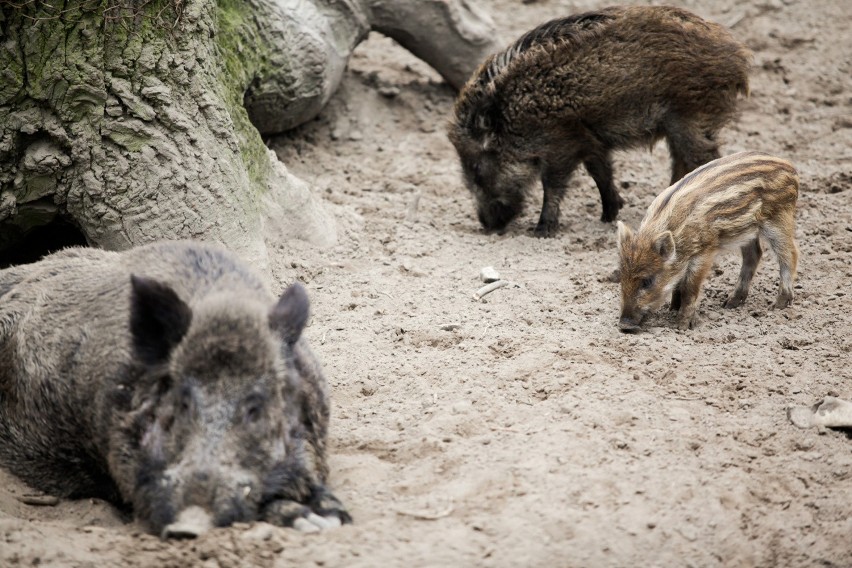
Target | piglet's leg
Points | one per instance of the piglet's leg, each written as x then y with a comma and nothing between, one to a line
779,234
751,257
690,288
677,295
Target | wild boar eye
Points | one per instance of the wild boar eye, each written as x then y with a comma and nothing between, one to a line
253,408
647,282
185,402
164,385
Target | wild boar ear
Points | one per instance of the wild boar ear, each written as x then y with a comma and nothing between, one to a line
290,314
625,235
158,319
665,246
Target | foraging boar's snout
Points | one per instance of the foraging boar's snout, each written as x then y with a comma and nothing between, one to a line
495,215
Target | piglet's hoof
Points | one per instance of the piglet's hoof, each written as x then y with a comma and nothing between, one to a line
830,412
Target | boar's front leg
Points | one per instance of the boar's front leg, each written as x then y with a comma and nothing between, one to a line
323,511
600,168
554,179
690,287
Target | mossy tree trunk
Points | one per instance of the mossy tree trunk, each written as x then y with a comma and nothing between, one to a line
129,118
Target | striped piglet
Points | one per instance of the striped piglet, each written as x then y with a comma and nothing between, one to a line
727,203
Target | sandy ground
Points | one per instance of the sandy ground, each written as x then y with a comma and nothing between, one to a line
525,430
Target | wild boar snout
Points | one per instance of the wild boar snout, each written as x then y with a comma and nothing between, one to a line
192,522
494,215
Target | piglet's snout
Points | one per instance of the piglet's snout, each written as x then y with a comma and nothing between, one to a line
628,324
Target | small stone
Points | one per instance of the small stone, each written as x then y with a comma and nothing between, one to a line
368,387
260,531
488,274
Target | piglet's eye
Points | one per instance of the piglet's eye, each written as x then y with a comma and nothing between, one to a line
647,283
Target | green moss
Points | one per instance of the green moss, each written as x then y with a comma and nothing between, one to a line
130,139
11,73
243,58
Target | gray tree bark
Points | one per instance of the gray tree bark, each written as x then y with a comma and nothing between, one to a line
135,126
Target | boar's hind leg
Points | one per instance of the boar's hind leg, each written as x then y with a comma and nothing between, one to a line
555,181
779,234
689,148
600,168
751,257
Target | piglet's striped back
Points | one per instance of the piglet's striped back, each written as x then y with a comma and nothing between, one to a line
740,186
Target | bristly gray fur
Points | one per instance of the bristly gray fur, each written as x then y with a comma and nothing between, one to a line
161,378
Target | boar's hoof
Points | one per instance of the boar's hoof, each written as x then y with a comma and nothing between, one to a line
192,522
315,523
287,513
782,302
609,216
627,325
546,230
610,212
684,324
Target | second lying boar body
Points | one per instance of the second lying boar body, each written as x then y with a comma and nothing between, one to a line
166,378
573,90
730,202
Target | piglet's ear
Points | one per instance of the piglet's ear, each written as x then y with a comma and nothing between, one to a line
158,319
665,246
290,314
625,235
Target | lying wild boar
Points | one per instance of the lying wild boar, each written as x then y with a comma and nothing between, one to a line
730,202
165,378
573,90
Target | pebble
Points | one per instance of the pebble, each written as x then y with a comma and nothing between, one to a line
260,531
488,275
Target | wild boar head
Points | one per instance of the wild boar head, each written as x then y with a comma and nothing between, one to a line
215,424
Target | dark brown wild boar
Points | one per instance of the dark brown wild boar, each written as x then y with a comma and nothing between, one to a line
573,90
166,379
729,203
